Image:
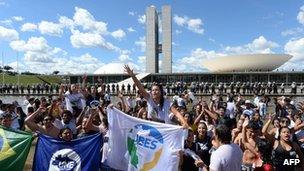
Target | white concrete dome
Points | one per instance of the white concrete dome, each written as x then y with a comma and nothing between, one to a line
248,62
111,68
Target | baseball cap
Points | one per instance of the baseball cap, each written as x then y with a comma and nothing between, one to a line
247,101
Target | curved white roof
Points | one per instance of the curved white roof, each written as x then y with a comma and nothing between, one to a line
111,68
250,62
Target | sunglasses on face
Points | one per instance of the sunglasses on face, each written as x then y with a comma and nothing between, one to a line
47,119
284,121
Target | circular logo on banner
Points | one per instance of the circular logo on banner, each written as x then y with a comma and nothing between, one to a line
145,145
65,159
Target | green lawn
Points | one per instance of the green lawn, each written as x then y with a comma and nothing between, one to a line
28,79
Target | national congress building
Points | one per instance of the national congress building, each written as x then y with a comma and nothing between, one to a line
233,68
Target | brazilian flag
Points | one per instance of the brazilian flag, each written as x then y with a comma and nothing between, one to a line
14,148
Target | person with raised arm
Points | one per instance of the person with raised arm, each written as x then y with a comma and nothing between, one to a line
159,107
48,128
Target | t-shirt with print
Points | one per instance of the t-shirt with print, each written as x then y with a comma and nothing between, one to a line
203,147
74,100
155,111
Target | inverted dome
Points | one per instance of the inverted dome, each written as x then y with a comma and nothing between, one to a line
250,62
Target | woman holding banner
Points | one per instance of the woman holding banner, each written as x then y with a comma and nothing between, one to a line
159,107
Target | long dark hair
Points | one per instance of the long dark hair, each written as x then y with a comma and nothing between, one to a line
162,93
280,129
265,149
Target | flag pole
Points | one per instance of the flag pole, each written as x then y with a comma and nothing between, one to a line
2,69
18,69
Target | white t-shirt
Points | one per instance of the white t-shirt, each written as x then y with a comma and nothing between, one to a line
155,110
60,125
256,101
175,97
74,99
29,105
230,110
181,102
26,102
226,157
262,109
248,112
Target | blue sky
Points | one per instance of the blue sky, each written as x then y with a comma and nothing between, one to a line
81,36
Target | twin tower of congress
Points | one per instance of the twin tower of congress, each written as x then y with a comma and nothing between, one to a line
158,23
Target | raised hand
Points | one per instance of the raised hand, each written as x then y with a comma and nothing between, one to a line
41,109
128,70
119,94
99,80
272,116
246,122
84,77
62,87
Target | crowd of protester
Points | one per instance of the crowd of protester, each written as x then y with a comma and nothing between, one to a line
226,131
170,88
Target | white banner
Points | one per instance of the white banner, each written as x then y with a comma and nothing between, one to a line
136,144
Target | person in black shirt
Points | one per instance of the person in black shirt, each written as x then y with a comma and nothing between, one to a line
187,160
203,143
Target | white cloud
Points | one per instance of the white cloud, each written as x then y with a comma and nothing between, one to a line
174,44
66,22
142,62
17,18
258,45
194,25
8,34
65,65
292,32
88,64
86,20
118,34
181,21
300,16
82,40
178,32
7,22
124,56
28,27
88,32
132,13
296,49
141,19
130,29
37,44
194,61
50,28
141,43
37,50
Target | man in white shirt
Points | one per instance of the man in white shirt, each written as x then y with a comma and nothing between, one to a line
66,121
248,110
228,156
30,104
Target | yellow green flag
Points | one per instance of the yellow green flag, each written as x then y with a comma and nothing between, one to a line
14,148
